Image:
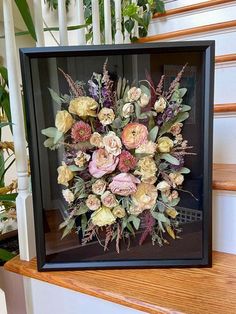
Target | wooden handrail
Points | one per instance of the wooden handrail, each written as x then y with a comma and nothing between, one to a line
192,7
189,31
224,177
221,108
226,58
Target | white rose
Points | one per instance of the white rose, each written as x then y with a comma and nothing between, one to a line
68,195
127,110
112,143
106,116
160,105
134,94
163,186
144,100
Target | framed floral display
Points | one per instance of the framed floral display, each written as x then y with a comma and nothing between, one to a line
120,161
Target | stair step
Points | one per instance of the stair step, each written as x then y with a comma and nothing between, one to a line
224,177
166,290
190,31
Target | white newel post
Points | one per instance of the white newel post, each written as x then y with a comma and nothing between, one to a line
38,22
24,199
96,22
118,35
81,32
62,22
107,21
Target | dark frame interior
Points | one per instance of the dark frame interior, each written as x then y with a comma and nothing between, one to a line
208,50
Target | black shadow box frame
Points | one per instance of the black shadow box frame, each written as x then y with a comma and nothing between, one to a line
37,74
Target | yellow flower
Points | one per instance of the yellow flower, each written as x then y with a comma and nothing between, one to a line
83,106
102,217
96,140
164,144
119,212
64,174
144,198
106,116
147,169
63,121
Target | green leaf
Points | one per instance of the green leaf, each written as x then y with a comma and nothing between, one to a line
130,10
82,210
172,160
182,92
8,197
26,15
84,222
50,132
159,6
184,170
68,228
147,18
175,202
135,220
181,116
2,168
57,137
76,168
56,97
2,124
129,25
6,255
145,90
160,217
3,72
185,108
153,133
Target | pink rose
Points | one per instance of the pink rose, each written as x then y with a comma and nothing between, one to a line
109,200
102,163
124,184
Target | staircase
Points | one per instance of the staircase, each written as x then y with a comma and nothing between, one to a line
212,20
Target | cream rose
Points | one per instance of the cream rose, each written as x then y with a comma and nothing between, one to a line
146,168
176,178
112,143
176,128
108,199
81,159
119,212
134,94
102,217
63,121
64,175
83,106
99,187
144,100
144,198
127,110
160,105
163,186
96,140
173,195
93,202
68,196
106,116
165,144
146,148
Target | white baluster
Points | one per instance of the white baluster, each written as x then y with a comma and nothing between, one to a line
118,35
38,22
96,22
81,21
3,305
135,29
24,198
107,21
126,34
62,22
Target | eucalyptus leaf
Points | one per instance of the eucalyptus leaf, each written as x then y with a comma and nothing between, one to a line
135,220
182,92
145,90
55,96
75,168
184,170
68,228
181,116
82,210
172,160
84,222
175,202
50,132
185,108
153,133
57,137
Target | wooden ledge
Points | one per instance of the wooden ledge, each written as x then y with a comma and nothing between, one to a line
223,108
224,177
156,291
193,7
189,31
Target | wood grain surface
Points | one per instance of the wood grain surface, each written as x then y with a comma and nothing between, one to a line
192,7
189,31
221,108
226,58
224,177
191,291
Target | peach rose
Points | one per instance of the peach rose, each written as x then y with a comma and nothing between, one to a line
96,140
124,184
134,135
147,148
92,202
106,116
176,178
119,212
108,199
112,143
99,187
144,198
134,94
102,163
63,121
176,128
146,168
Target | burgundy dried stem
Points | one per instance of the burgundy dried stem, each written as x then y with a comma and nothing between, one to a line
175,82
149,224
159,88
76,90
119,236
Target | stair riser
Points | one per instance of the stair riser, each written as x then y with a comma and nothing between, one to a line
212,15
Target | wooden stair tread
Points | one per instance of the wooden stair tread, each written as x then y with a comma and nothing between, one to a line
224,177
196,290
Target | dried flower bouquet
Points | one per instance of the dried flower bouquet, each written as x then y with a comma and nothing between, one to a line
123,159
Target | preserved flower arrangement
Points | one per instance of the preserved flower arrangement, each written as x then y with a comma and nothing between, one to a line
123,163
